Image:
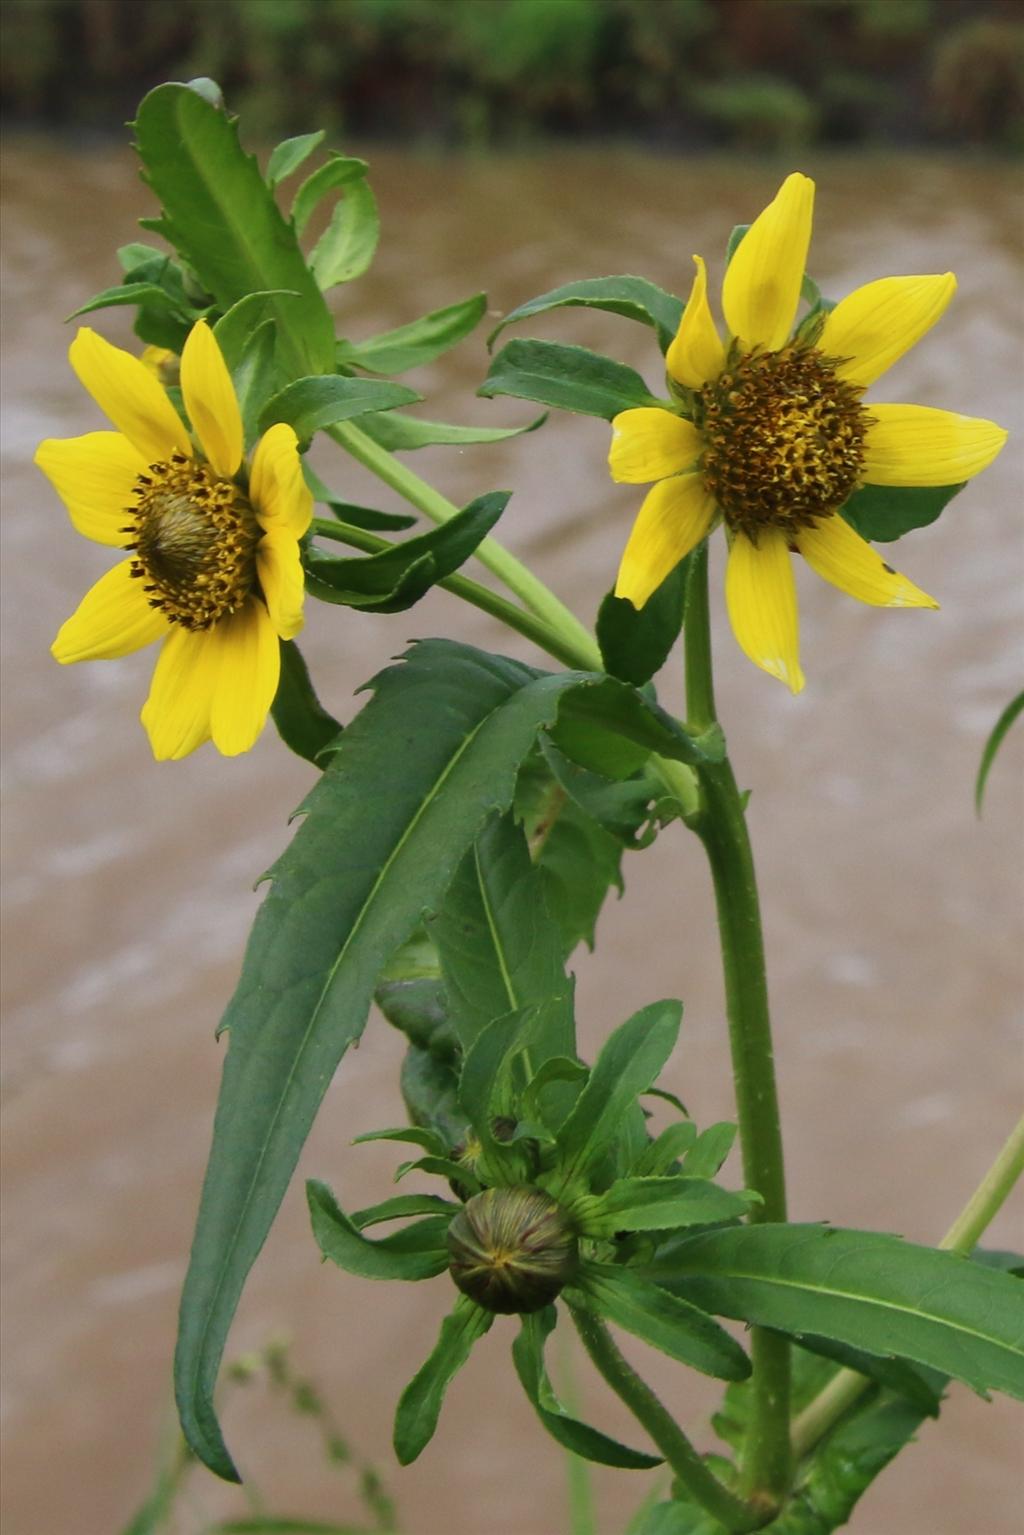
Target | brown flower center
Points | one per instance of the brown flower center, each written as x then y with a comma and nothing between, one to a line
784,439
194,537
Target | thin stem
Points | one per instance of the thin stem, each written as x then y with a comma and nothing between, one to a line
700,693
722,827
512,572
990,1195
687,1465
528,624
847,1386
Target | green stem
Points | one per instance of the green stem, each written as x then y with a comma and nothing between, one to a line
700,692
687,1465
722,828
512,572
847,1386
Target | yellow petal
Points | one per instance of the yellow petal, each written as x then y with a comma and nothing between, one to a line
127,392
841,556
210,400
697,354
761,597
217,683
177,712
918,445
112,620
279,495
675,516
873,326
761,290
282,582
247,678
94,476
650,444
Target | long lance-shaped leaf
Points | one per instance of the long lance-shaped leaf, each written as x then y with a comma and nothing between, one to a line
221,216
866,1289
674,1326
434,754
499,948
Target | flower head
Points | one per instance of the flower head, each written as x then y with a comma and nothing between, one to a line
213,568
773,436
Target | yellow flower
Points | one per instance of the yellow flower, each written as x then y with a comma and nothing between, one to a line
776,438
214,570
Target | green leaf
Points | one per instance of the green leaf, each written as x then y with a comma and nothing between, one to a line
992,745
416,1252
883,513
923,1388
435,752
659,1203
221,217
411,1135
359,516
499,948
420,1405
661,1155
709,1150
568,377
310,404
674,1326
396,578
254,378
302,722
636,645
335,175
579,1438
621,808
411,995
610,728
286,158
484,1086
403,1205
865,1289
419,342
633,297
630,1060
133,293
400,433
347,246
429,1087
235,329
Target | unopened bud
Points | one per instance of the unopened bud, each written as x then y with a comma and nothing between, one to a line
512,1249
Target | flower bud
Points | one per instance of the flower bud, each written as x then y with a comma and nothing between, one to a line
512,1249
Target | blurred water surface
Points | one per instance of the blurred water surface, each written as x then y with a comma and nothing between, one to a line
893,916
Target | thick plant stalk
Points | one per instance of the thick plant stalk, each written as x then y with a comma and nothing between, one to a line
721,825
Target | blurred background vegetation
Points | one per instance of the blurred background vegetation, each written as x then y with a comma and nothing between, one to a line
744,74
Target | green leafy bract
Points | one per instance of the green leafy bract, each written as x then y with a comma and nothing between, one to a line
220,215
579,1438
302,722
419,342
633,297
635,645
415,1252
677,1328
630,1060
347,246
568,377
399,576
883,513
420,1404
286,158
865,1289
655,1203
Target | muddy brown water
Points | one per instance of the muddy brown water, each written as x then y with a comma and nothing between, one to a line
893,916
